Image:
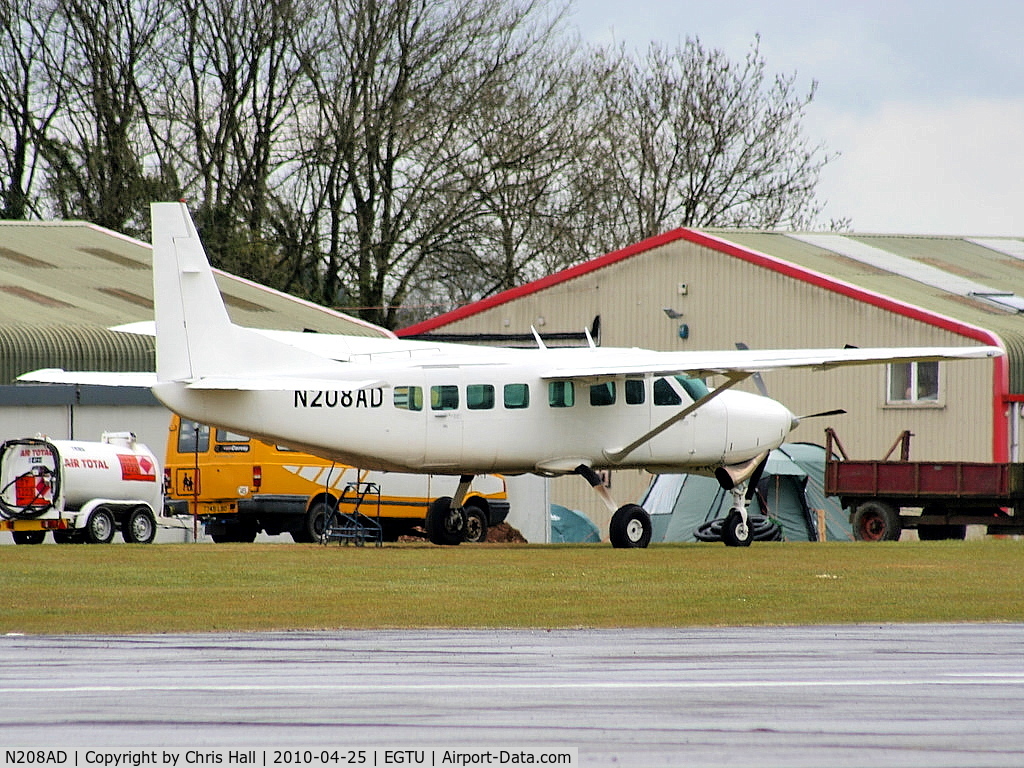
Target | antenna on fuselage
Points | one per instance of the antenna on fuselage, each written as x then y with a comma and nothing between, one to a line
540,341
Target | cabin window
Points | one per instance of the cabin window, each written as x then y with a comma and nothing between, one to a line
695,388
666,394
603,394
231,442
479,397
635,392
193,437
914,382
409,398
444,397
561,394
517,396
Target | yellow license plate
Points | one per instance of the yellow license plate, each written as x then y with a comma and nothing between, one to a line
216,508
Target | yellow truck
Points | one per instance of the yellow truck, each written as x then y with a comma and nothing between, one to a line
238,486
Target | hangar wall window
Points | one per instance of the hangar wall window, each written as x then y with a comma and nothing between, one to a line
560,394
409,398
913,382
517,395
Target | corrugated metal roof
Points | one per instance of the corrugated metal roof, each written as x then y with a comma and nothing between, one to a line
63,284
54,273
964,261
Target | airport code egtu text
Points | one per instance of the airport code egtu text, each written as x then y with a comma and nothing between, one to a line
339,398
176,758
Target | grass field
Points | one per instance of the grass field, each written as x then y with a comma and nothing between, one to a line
124,589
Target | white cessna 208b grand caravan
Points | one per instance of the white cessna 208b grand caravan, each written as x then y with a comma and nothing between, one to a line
406,406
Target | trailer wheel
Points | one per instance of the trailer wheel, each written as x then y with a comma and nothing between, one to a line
28,537
876,521
139,527
100,528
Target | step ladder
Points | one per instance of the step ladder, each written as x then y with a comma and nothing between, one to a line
355,527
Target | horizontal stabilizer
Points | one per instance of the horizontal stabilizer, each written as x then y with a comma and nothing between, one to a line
144,379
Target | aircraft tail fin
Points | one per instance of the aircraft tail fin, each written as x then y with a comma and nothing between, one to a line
195,338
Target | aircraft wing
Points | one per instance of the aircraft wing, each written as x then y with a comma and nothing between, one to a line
283,383
744,361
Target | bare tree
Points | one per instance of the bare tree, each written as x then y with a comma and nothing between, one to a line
27,105
697,139
398,91
95,146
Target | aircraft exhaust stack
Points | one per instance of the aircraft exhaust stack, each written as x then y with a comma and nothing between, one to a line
732,475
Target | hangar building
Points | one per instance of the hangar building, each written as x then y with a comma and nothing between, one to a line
693,290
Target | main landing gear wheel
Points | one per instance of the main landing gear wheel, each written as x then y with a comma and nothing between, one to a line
735,531
445,526
630,527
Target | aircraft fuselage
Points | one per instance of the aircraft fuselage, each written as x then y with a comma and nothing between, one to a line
498,418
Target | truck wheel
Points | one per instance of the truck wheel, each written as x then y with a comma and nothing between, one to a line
876,521
28,537
476,524
313,524
100,528
140,527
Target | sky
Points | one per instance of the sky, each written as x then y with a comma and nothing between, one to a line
923,101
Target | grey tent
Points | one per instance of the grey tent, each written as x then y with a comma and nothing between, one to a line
790,492
570,526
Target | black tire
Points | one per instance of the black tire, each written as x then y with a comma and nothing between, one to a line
630,527
942,532
476,523
876,521
736,533
313,524
139,527
445,526
28,537
100,528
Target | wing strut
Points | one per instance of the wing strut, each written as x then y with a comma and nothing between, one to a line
734,378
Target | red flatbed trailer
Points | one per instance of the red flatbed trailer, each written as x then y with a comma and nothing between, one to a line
951,495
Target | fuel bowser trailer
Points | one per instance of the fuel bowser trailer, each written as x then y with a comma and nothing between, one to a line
81,491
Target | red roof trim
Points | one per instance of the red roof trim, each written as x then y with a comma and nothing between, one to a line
1001,376
536,286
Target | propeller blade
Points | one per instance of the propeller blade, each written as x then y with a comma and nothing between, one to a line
758,381
836,412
